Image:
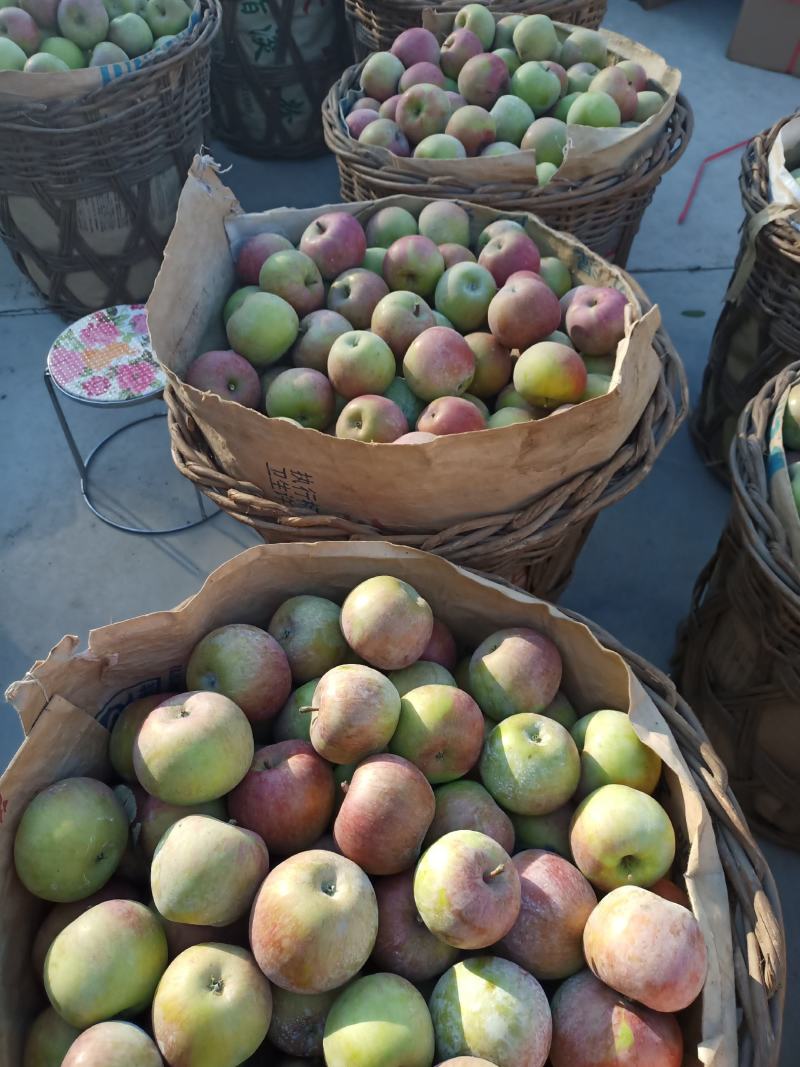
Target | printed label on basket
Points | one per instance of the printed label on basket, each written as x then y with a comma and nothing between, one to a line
268,42
108,211
292,488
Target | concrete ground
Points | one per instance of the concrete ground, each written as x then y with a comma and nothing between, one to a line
62,571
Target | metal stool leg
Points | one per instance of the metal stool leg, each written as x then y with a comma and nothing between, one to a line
62,421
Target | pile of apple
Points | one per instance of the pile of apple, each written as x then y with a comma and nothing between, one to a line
344,842
397,332
495,90
51,36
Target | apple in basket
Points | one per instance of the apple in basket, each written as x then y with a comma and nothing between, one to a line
131,33
336,242
227,374
381,75
18,26
113,1043
315,338
595,319
167,17
372,418
451,414
84,22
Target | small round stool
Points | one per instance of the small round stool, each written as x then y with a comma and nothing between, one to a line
105,360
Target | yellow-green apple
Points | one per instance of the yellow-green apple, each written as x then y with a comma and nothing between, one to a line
556,275
314,922
549,375
422,110
635,73
440,362
512,117
456,254
105,53
547,137
386,134
245,664
507,254
388,225
193,748
106,962
549,831
646,948
595,319
263,328
400,394
421,74
613,81
508,417
621,836
70,840
440,730
11,55
504,30
125,729
444,222
451,414
510,398
559,72
255,251
442,320
294,276
535,38
315,336
44,63
562,339
292,723
113,1044
48,1040
400,318
373,260
594,109
131,33
441,648
379,1021
387,622
413,264
584,46
514,670
791,419
84,22
380,75
303,395
388,109
648,103
466,805
286,797
522,312
538,87
336,242
386,812
212,1006
21,28
510,58
474,127
593,1026
464,293
545,172
355,294
166,17
423,672
404,944
611,753
154,818
416,45
530,765
467,890
354,714
227,374
489,1008
479,20
483,80
494,229
360,363
44,13
440,146
461,45
599,365
307,629
579,78
373,419
298,1021
547,938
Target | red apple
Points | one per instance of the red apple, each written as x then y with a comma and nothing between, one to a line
615,82
416,46
595,320
386,134
366,103
335,241
355,295
474,127
355,713
413,264
360,363
421,74
372,418
255,251
388,109
357,121
508,253
400,318
442,647
451,414
483,80
404,945
301,394
440,730
317,333
514,671
466,805
455,254
492,365
387,622
227,374
422,110
461,45
438,363
523,312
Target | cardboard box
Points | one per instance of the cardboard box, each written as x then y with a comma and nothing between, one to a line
767,35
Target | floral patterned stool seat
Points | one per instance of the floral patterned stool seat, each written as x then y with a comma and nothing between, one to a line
105,360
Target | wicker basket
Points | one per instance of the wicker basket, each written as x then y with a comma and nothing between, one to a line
89,186
270,71
604,211
374,24
738,659
758,333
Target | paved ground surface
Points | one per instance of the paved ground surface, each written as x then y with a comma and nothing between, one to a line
63,571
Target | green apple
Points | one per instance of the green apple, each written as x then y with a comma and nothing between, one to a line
302,394
379,1021
504,31
373,260
500,148
124,731
236,299
530,764
132,34
440,730
648,103
594,109
535,38
549,831
596,385
263,328
584,46
611,753
621,836
409,404
48,1041
479,20
545,172
423,672
11,55
791,419
307,629
794,477
509,57
388,225
66,51
556,274
512,117
548,138
107,53
292,723
45,63
165,41
509,417
494,229
166,16
444,222
537,86
463,294
561,110
85,22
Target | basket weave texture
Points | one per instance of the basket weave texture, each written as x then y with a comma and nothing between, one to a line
273,111
759,333
123,150
738,658
604,211
374,24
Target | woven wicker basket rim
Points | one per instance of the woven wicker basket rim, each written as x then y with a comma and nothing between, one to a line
755,189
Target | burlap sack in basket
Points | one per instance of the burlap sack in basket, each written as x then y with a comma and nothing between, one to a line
374,24
738,659
272,65
91,167
68,702
517,503
758,332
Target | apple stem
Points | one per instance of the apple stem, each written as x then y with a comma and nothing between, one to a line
345,787
498,870
306,710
